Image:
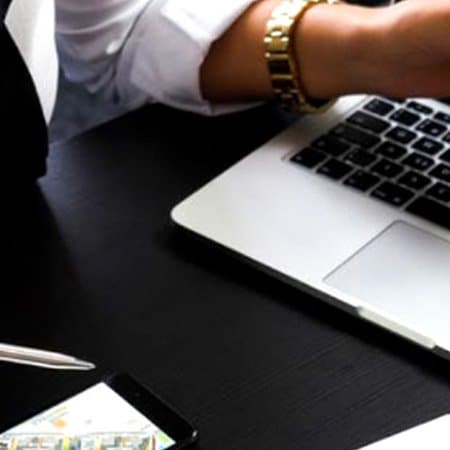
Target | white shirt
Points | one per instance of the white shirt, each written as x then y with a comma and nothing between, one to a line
138,51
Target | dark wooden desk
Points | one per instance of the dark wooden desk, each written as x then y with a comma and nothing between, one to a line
95,269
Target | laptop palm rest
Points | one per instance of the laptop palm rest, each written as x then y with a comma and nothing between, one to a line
404,274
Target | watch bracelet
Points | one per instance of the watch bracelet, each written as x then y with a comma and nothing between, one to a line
281,59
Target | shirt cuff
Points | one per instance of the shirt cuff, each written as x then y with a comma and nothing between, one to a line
162,58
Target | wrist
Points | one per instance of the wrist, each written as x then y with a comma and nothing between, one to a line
337,48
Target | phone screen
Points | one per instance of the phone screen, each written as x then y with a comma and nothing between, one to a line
96,419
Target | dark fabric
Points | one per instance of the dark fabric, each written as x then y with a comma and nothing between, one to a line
4,5
24,139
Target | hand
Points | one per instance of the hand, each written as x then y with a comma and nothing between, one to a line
400,51
418,61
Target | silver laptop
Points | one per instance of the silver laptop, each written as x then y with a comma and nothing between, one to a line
352,206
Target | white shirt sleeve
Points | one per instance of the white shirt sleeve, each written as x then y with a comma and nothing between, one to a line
138,51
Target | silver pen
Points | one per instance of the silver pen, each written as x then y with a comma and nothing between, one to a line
41,358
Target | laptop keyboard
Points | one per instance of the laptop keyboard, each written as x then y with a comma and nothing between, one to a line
397,151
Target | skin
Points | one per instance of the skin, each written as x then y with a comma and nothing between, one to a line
400,51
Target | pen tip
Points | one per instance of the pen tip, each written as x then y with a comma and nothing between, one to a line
84,365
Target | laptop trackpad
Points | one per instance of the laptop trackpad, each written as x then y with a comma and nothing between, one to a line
404,272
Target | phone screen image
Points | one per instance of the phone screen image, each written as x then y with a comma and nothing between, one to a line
96,419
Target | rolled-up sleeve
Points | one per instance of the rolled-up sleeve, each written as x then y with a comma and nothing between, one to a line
137,51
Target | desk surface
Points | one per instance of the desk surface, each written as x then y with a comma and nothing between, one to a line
95,269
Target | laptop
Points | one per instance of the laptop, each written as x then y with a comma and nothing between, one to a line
352,206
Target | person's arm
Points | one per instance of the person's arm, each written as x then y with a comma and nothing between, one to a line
206,56
133,52
402,50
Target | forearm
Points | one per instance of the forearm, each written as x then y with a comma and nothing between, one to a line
338,50
332,44
235,68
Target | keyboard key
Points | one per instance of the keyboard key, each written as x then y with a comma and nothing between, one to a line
414,180
405,117
401,135
440,192
419,107
356,136
387,168
362,180
432,128
331,145
418,161
335,169
443,117
445,156
368,122
427,145
446,138
379,107
430,210
393,194
360,157
441,171
309,157
396,100
391,150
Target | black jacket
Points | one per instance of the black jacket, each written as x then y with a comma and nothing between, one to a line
23,131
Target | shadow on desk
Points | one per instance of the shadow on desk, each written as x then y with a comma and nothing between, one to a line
253,362
35,254
39,290
388,361
196,250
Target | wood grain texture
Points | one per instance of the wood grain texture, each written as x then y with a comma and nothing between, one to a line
97,270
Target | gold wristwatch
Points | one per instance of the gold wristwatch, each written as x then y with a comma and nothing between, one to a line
281,59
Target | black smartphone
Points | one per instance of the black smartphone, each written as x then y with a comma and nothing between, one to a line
115,414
